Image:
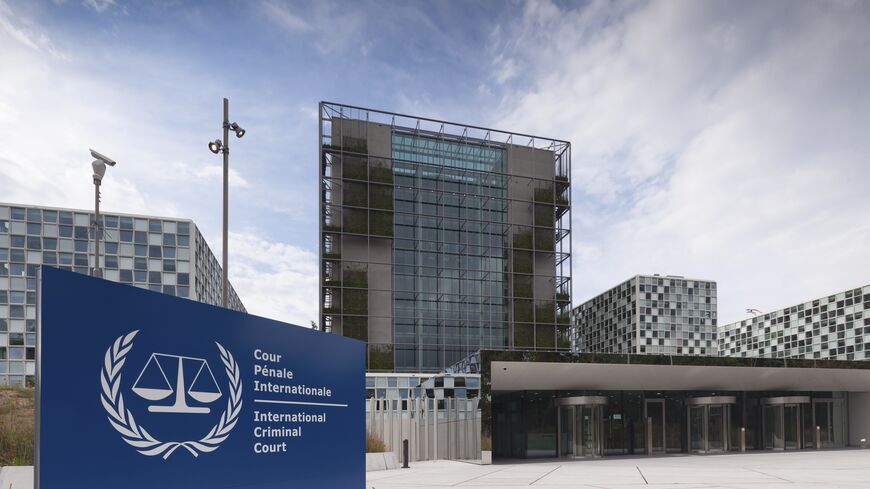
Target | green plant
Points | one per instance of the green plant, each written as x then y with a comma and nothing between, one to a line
381,196
354,193
524,335
544,240
355,301
354,167
544,215
563,297
561,178
380,172
523,239
562,200
354,221
545,313
522,261
544,194
380,357
545,336
522,286
355,327
374,444
523,311
16,426
563,318
381,223
355,278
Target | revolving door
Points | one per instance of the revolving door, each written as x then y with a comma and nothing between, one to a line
709,420
579,426
783,422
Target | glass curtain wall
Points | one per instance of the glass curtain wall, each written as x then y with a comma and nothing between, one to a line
449,250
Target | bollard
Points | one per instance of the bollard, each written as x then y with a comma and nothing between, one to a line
818,438
743,439
649,433
405,453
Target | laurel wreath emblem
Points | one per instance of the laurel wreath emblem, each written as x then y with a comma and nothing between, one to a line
136,435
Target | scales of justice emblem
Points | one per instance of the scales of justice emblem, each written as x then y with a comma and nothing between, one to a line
164,375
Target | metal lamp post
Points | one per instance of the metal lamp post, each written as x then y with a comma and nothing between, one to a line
223,146
99,166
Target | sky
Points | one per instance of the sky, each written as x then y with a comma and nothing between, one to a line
721,140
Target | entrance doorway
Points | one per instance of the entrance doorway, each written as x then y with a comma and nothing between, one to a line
824,424
579,426
654,420
782,422
709,423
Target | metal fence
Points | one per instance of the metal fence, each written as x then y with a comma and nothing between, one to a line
446,429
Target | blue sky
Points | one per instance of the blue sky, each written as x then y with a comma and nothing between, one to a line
713,139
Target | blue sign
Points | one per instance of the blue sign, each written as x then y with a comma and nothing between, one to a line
137,389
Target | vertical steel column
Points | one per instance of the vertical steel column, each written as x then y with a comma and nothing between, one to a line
97,272
226,152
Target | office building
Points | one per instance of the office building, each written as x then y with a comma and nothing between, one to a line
439,239
669,315
835,327
159,254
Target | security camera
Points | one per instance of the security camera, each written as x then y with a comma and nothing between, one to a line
104,159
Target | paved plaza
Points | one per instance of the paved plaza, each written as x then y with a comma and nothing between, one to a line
795,470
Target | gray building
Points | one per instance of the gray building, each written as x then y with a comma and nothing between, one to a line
439,239
836,327
159,254
669,315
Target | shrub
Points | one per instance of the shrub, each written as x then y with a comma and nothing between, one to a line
16,426
374,444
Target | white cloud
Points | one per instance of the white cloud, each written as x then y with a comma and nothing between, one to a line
710,140
273,279
99,5
281,15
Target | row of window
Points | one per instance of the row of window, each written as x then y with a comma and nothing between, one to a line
51,216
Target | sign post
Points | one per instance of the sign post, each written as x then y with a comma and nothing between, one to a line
138,389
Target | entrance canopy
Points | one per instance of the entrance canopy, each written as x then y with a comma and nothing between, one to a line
509,376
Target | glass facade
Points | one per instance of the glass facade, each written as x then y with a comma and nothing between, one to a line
449,257
163,255
649,314
440,239
545,424
836,327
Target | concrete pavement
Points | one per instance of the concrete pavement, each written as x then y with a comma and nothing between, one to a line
791,470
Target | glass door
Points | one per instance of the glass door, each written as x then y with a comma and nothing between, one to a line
792,426
773,428
655,416
580,426
566,431
696,428
828,421
715,428
783,422
587,431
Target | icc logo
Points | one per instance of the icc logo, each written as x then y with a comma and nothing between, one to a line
154,384
186,382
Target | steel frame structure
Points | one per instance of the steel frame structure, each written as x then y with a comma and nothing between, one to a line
531,321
